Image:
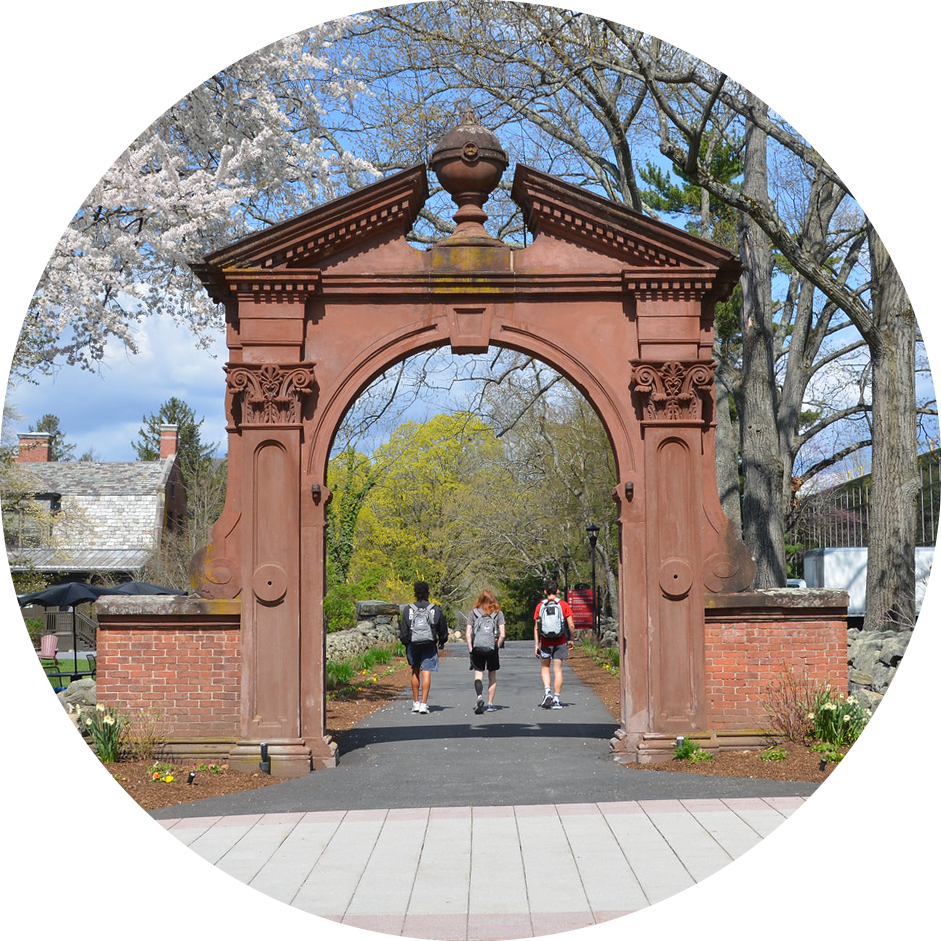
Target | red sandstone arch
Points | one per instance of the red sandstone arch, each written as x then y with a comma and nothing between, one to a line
319,305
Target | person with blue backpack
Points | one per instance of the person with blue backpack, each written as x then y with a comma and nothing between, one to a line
486,634
553,626
424,632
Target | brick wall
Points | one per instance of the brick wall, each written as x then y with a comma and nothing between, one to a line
756,638
181,658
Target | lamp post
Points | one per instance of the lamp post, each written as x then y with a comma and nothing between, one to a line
592,531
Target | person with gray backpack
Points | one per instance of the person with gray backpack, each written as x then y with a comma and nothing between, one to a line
424,632
553,628
486,634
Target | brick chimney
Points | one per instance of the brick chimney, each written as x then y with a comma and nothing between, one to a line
35,448
168,440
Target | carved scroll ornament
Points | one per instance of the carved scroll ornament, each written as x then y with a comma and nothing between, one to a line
674,391
268,394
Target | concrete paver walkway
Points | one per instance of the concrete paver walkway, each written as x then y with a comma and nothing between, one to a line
451,825
483,872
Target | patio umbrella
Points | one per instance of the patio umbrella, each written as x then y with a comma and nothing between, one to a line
143,588
66,595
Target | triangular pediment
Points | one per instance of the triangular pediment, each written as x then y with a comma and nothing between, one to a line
571,214
387,207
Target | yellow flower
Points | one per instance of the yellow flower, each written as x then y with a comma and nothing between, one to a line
168,778
108,720
99,707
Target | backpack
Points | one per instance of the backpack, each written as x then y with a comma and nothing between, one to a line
485,633
421,624
551,621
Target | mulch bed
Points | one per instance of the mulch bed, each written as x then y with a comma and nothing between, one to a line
800,764
349,707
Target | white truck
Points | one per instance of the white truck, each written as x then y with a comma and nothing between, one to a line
846,568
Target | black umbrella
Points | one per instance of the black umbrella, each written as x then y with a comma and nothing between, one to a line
143,588
66,595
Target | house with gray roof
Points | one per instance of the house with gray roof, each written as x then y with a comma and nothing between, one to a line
103,519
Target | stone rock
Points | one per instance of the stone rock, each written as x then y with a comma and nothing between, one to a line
83,692
373,610
875,655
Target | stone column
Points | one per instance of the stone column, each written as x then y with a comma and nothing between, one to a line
267,410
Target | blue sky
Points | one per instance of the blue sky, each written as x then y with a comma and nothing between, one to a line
82,82
103,410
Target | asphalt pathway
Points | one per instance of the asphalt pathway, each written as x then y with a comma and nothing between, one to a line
518,755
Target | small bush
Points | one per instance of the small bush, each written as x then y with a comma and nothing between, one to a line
104,725
142,735
689,750
785,706
338,673
773,754
837,722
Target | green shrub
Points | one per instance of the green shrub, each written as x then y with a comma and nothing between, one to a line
773,754
836,721
104,725
338,673
689,750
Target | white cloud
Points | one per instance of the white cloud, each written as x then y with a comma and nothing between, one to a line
103,410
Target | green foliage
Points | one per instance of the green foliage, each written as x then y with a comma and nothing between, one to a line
59,448
827,752
105,726
193,455
608,657
835,720
690,750
339,672
35,627
773,754
339,603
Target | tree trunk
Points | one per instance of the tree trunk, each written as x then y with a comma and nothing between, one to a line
762,470
727,440
890,582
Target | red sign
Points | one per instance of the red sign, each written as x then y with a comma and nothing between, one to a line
582,608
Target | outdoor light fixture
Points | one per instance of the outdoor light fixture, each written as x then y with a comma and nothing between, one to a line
315,492
629,490
191,777
265,764
680,740
593,531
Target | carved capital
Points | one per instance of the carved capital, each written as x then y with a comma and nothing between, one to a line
673,391
267,394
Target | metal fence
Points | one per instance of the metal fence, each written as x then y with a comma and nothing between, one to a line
839,518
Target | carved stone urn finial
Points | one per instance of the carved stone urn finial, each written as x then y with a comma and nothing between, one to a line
469,162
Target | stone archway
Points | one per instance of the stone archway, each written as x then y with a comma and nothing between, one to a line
319,305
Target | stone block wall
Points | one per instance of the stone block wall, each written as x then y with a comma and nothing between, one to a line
179,657
752,638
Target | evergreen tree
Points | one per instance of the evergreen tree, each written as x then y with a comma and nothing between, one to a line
194,457
59,448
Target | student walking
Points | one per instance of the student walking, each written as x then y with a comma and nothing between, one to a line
553,624
424,632
486,634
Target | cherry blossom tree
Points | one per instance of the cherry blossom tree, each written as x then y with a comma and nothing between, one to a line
258,142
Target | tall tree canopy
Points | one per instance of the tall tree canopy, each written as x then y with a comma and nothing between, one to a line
193,455
258,142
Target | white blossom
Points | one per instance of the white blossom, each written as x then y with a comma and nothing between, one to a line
257,143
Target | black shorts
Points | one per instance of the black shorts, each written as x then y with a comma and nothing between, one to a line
485,660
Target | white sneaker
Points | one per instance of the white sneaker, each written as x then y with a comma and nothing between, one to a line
547,700
423,708
555,703
415,706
